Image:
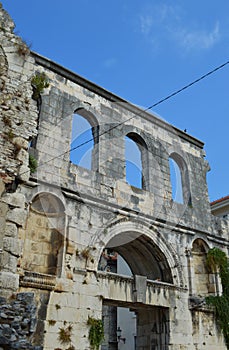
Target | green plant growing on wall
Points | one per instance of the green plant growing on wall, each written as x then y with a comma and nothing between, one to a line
6,121
64,334
10,135
96,332
23,49
77,252
32,164
86,254
39,82
51,322
218,261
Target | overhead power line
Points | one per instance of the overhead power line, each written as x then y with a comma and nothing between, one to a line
188,85
144,110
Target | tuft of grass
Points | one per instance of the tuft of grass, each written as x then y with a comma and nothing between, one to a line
23,49
6,121
39,82
10,135
58,307
64,334
85,253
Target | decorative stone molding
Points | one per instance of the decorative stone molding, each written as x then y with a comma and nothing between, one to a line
37,280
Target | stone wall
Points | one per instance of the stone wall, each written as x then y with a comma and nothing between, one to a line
18,322
18,125
57,221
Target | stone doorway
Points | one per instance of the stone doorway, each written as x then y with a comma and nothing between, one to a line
142,290
140,327
135,325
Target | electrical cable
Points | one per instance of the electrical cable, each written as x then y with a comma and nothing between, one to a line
143,111
188,85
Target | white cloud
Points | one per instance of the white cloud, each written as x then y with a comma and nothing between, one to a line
198,39
156,16
171,12
146,23
166,23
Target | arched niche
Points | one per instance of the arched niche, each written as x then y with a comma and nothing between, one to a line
202,277
179,178
136,157
47,204
44,235
84,140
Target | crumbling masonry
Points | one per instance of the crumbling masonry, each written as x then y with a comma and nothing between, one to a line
56,222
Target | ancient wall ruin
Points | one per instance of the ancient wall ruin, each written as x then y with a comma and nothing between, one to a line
56,220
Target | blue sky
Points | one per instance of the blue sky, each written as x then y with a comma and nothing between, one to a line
143,51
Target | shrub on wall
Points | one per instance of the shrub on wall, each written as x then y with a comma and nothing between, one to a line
39,83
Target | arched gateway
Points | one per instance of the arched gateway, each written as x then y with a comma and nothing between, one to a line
147,291
144,249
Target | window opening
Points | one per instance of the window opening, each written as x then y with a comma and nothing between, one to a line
81,132
176,181
133,163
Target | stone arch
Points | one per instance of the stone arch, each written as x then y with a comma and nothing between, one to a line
199,245
143,152
83,118
152,260
47,203
184,175
44,235
147,244
86,112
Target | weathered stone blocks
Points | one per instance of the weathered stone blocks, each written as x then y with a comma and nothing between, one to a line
17,216
14,199
18,322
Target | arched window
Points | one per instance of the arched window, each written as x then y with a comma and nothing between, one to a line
83,139
136,157
176,182
179,179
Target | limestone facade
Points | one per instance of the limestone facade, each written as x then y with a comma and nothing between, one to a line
57,221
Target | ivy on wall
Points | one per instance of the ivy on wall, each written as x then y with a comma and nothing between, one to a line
218,261
96,332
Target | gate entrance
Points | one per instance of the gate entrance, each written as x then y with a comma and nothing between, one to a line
137,327
136,310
